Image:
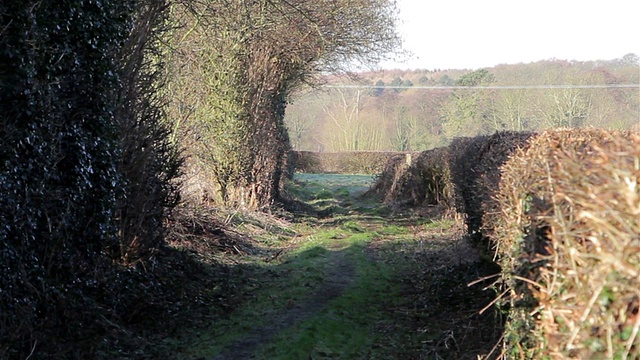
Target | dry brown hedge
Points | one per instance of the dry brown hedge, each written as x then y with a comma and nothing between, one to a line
429,181
462,175
352,162
568,240
390,179
561,209
419,180
475,172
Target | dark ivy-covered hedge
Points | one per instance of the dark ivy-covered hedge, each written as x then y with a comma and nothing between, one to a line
58,175
61,172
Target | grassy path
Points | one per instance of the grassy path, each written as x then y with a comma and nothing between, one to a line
348,279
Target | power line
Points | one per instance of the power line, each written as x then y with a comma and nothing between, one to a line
495,87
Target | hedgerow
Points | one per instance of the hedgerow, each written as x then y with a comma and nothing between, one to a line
67,189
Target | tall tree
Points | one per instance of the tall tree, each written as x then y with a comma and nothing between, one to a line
566,107
405,133
510,110
467,113
258,52
345,128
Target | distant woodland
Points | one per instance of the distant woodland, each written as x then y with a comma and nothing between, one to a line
415,110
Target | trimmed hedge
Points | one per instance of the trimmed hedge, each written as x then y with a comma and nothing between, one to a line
86,170
462,175
476,171
417,180
561,210
568,240
353,162
59,175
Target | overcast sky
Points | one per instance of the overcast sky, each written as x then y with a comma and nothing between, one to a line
472,34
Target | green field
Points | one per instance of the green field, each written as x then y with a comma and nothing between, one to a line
333,184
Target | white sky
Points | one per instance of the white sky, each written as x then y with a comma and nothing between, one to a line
472,34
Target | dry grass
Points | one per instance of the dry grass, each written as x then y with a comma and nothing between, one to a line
568,240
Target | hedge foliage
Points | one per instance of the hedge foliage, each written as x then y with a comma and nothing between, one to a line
421,180
82,145
58,165
566,229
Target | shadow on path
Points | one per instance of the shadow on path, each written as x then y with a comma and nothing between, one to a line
339,276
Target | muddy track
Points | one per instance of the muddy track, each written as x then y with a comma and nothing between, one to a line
340,273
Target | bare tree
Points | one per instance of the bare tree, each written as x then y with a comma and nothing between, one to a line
567,107
510,110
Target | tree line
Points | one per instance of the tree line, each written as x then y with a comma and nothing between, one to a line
418,109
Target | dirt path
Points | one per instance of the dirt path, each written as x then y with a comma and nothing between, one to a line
358,282
340,276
